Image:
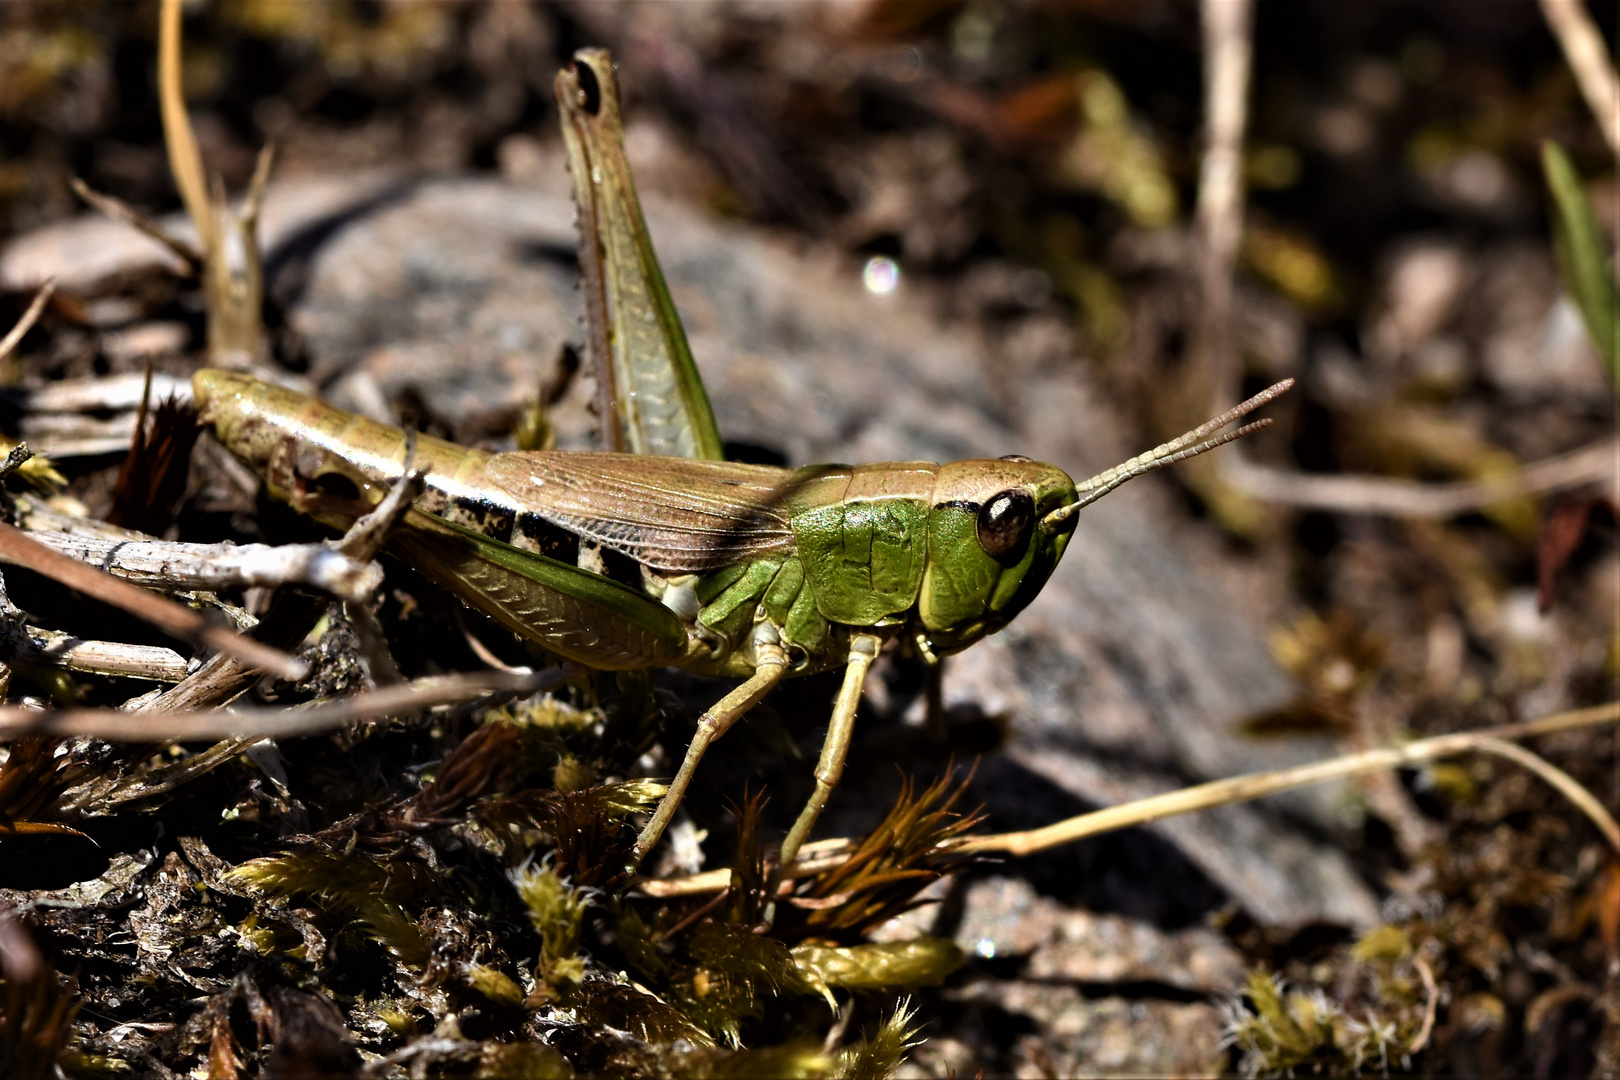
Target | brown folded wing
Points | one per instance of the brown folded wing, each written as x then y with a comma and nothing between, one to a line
677,514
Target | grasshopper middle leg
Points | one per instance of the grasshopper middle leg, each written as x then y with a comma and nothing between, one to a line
863,649
715,722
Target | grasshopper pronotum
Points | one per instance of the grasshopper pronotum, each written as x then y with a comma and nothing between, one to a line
635,560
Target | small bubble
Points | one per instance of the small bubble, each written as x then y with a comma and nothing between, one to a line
881,275
986,949
905,64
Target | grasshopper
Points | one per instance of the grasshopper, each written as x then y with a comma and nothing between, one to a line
670,557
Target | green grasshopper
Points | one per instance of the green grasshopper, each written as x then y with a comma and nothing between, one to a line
622,561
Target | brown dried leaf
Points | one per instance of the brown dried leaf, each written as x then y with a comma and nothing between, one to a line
153,476
894,862
36,1013
1562,529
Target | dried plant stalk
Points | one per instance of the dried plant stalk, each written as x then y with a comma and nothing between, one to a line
1592,464
162,726
1237,789
52,648
18,547
29,318
1583,48
163,564
232,286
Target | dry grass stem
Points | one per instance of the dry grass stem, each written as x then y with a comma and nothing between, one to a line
190,258
1589,59
233,276
819,855
1258,785
1228,57
29,318
161,726
1566,784
185,159
18,547
1597,463
814,857
52,648
1431,1002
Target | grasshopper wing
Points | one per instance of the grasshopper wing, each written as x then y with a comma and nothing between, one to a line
675,514
572,612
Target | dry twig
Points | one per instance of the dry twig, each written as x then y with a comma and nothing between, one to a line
164,564
18,547
1236,789
160,726
52,648
29,318
1597,463
1588,58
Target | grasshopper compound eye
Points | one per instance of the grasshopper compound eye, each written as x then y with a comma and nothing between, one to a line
1005,522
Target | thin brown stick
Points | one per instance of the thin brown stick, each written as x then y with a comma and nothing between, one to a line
157,726
1258,785
1228,58
820,855
117,209
1597,463
1583,47
1431,1000
29,318
18,547
1566,785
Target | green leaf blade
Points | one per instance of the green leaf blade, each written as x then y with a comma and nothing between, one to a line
1583,256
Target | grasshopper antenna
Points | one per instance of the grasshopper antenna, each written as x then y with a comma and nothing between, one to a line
1195,442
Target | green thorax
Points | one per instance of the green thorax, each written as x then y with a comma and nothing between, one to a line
860,538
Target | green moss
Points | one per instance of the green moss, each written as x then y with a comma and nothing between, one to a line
557,912
374,894
878,1056
923,961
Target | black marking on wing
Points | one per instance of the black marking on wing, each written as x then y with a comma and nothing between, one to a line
489,518
550,540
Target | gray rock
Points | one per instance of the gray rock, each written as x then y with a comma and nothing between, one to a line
88,251
1005,917
1110,1036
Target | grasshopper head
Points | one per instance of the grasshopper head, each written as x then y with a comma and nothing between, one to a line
989,548
997,529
